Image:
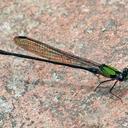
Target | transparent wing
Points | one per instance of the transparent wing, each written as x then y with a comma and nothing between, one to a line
53,54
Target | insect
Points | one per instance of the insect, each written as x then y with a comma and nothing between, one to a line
56,56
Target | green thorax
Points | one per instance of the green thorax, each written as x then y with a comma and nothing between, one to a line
109,71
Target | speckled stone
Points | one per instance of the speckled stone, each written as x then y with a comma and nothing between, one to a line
42,95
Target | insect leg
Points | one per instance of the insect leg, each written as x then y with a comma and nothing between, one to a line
113,93
102,83
113,86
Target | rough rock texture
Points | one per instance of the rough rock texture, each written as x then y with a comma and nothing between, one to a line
41,95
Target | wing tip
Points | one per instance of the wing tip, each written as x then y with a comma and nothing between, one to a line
18,38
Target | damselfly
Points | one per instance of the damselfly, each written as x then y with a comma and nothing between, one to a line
57,56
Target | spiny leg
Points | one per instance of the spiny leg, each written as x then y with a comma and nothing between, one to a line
98,77
113,86
113,93
102,83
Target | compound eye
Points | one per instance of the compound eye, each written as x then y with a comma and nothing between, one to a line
125,70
